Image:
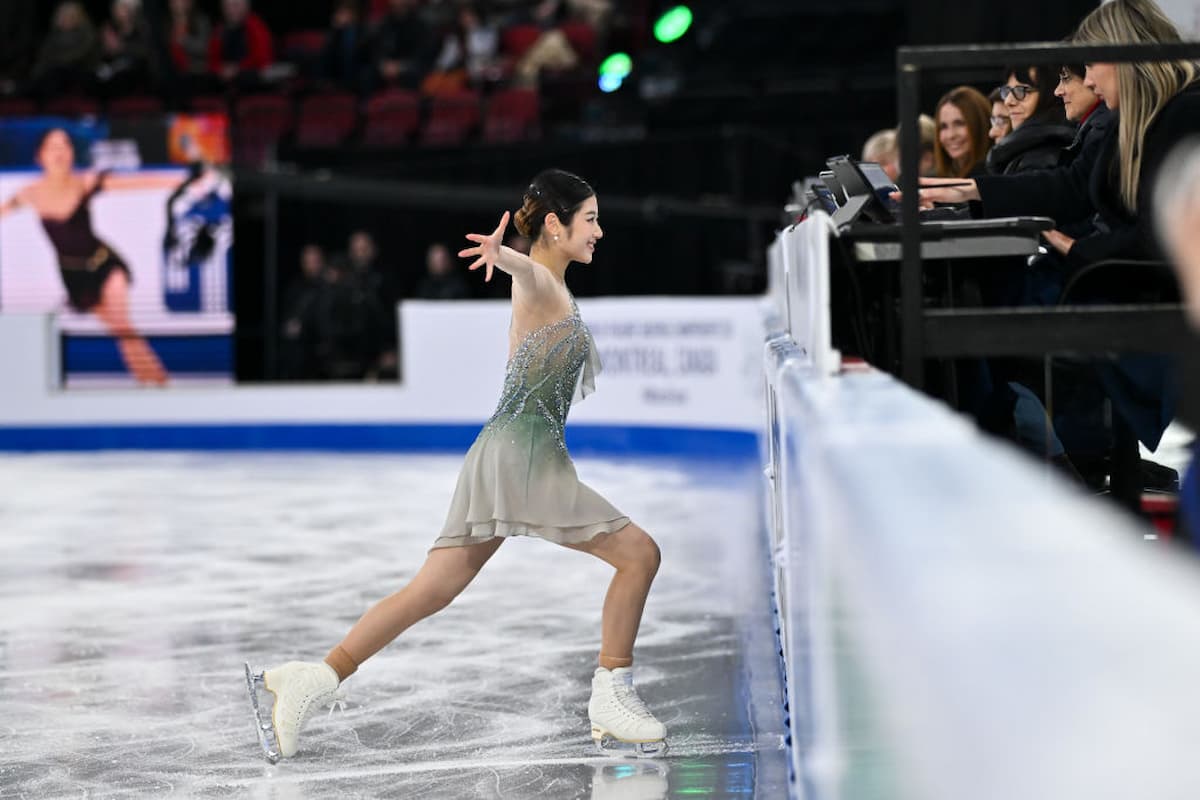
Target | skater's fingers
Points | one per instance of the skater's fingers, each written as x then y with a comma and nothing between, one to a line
478,262
468,252
488,276
477,237
503,224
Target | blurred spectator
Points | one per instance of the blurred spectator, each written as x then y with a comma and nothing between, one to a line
296,350
1001,122
551,50
1081,106
188,35
597,13
16,31
343,325
67,58
126,49
402,46
442,280
241,44
1040,130
883,150
469,54
344,58
380,291
962,142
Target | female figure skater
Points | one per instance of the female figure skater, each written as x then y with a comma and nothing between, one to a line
517,480
96,277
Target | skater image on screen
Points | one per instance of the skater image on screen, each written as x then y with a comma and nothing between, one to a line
517,480
95,276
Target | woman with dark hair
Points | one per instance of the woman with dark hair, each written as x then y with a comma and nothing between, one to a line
1040,130
517,480
1001,121
94,274
963,117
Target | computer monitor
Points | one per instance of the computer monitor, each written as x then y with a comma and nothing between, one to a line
868,181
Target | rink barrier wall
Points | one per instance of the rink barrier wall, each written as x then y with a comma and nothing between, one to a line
729,445
956,620
680,377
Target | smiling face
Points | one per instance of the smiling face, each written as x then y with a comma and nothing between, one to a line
953,133
1001,125
1077,97
1019,111
56,155
1102,79
578,240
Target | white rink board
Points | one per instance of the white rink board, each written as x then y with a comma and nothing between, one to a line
676,362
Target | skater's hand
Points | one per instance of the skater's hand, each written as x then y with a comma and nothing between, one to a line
488,251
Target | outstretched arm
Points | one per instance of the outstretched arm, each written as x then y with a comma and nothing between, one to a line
15,201
117,181
490,254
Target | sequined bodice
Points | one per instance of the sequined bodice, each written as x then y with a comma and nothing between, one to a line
542,376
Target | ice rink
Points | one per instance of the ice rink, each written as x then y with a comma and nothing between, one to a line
133,585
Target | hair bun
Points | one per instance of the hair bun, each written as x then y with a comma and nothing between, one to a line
521,219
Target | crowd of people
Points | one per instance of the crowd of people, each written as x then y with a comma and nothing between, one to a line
432,45
338,314
1082,144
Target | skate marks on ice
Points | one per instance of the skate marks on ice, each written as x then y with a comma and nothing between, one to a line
142,581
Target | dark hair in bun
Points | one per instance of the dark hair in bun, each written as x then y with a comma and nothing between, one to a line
552,191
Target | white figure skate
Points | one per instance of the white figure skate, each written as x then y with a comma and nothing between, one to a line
621,723
299,688
641,780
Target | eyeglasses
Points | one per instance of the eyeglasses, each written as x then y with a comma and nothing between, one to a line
1020,91
999,121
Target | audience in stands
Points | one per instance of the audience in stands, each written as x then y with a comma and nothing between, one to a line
1040,129
188,33
551,50
241,45
1001,122
296,352
469,54
66,61
962,143
127,53
344,60
403,46
443,278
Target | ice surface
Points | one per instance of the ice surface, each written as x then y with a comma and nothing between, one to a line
133,585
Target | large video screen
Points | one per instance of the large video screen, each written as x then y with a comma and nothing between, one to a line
123,230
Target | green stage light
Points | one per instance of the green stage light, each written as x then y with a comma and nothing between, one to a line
673,24
617,66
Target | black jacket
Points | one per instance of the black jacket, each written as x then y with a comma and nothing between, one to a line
1038,144
1089,135
1089,184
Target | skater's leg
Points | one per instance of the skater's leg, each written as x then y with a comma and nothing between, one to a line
113,311
446,572
636,558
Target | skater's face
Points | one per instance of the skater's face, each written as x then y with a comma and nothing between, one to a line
56,155
583,232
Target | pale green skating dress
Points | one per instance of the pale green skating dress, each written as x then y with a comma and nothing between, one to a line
517,479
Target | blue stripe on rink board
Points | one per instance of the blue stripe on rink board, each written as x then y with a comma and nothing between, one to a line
208,353
581,439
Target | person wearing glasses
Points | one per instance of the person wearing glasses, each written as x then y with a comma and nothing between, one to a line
962,143
1001,122
1157,106
1040,130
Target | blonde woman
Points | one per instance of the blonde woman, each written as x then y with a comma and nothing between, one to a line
1158,104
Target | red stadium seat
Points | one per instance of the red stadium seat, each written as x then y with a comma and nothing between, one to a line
71,106
134,105
392,117
516,39
259,122
452,118
512,116
326,120
378,9
17,107
582,38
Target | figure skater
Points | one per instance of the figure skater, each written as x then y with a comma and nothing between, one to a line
96,278
517,480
